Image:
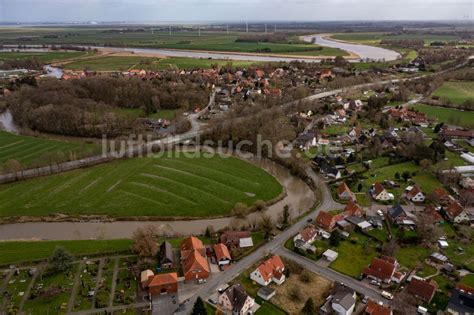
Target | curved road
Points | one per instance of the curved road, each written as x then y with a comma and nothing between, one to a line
365,52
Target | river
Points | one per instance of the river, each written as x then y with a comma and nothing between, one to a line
363,51
299,197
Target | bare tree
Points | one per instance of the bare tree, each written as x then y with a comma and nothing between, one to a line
145,242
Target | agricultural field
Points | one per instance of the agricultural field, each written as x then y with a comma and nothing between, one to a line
17,251
32,151
448,115
124,63
45,57
189,40
166,186
375,38
456,92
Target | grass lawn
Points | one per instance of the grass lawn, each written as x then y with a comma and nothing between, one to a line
16,252
46,57
353,258
456,91
448,115
468,280
267,308
425,180
426,271
176,184
409,257
31,151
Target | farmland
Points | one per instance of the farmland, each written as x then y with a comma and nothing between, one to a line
189,40
375,38
456,92
123,63
448,115
46,57
176,186
32,151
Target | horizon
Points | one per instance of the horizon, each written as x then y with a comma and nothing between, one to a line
206,11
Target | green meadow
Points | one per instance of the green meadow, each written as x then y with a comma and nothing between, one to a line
448,115
175,186
456,91
32,151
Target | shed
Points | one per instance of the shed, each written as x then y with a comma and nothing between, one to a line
330,255
443,244
266,293
245,242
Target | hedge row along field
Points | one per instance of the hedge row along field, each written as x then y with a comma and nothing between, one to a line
176,186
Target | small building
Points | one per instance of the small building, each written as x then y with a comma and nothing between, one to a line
438,258
382,269
166,256
271,270
344,193
379,193
307,235
163,283
235,300
415,194
144,277
422,289
443,244
232,239
266,293
330,255
222,254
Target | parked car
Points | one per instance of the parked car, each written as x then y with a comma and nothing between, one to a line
387,295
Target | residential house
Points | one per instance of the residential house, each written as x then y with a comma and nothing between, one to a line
328,221
222,254
455,212
379,193
325,73
382,269
355,105
396,213
449,134
341,301
193,258
414,194
422,289
434,216
163,283
355,133
234,300
344,193
306,235
374,308
166,256
271,270
353,209
461,301
236,239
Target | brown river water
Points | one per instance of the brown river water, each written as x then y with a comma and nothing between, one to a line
299,197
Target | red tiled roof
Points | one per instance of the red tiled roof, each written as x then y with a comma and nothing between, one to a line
458,133
271,267
342,188
378,188
308,233
162,279
233,237
465,288
221,252
373,308
422,288
195,261
440,193
352,208
413,192
327,220
453,209
190,244
435,215
380,268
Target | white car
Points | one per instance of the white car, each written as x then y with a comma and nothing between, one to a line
380,212
387,295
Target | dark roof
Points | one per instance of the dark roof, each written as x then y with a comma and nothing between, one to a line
166,253
354,220
461,302
396,211
266,291
237,296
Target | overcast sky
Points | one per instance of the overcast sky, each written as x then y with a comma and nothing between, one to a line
235,10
